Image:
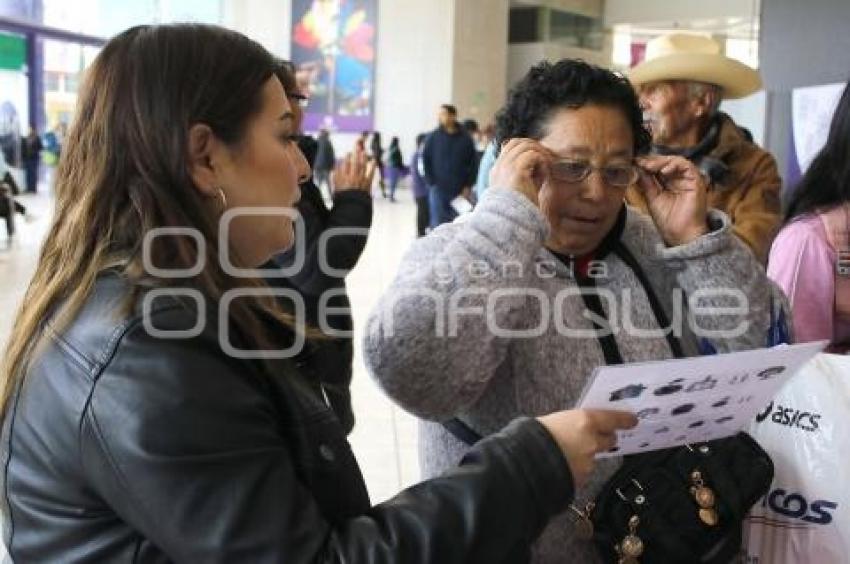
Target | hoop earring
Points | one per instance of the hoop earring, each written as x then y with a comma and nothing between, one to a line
220,195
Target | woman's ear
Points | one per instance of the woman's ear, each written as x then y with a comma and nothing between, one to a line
204,149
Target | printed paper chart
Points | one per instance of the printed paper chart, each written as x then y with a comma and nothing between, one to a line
693,400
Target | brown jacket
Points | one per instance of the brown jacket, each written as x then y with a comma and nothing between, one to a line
749,194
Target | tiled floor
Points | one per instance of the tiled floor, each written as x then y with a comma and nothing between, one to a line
384,438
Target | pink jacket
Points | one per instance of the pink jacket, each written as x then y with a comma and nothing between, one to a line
803,263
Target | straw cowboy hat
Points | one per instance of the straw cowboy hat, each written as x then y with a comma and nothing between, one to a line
681,56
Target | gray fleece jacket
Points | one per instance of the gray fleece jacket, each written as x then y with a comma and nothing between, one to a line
483,323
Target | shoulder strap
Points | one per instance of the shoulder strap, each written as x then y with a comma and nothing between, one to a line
467,435
657,310
836,224
461,431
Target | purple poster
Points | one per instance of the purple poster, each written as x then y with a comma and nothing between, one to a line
333,46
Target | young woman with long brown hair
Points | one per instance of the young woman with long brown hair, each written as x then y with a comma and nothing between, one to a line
137,429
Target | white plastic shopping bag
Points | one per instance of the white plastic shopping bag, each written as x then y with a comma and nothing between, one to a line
805,517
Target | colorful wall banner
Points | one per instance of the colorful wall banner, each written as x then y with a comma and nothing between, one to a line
333,47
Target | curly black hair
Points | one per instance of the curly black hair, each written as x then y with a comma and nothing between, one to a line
569,83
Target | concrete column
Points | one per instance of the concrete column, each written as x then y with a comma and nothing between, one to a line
414,69
438,52
479,83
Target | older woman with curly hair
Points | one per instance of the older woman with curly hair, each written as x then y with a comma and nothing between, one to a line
509,310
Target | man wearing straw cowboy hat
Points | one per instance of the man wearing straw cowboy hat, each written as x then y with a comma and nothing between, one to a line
681,83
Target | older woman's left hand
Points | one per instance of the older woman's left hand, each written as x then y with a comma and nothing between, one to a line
677,196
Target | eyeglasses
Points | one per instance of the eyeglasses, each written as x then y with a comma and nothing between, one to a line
620,176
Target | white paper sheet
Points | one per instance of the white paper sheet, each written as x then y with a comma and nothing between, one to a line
811,110
461,205
693,400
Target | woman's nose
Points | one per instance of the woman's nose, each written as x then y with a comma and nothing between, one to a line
302,167
594,186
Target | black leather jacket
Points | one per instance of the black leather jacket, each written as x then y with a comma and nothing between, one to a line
123,447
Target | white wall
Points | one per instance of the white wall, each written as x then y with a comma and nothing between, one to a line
414,66
555,52
521,57
267,22
749,112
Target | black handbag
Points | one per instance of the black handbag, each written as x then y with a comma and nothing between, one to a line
678,505
681,505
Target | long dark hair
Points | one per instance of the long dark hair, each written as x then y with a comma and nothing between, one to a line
826,183
124,172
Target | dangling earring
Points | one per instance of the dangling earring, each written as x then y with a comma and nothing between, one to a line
222,198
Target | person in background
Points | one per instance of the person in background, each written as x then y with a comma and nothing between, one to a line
327,259
10,133
124,442
396,170
8,210
8,181
31,156
420,187
376,151
53,140
488,159
480,142
324,163
450,167
681,84
471,127
810,258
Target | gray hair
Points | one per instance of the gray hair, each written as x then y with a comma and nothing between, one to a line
699,89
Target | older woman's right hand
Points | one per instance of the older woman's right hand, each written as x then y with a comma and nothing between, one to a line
582,433
522,166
